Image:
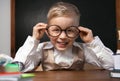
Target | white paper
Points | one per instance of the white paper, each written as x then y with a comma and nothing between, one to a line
5,59
116,61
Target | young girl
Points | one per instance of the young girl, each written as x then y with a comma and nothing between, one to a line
62,52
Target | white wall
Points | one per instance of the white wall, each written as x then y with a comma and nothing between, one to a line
5,24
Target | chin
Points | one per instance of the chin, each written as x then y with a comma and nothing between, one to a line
61,49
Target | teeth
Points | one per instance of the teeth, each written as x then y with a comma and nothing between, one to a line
62,42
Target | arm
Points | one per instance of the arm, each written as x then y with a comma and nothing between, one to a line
98,54
95,51
30,54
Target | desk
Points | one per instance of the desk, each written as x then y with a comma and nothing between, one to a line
87,75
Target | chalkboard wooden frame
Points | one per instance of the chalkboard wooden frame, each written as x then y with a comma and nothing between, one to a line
12,28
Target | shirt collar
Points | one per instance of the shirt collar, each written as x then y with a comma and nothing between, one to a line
49,45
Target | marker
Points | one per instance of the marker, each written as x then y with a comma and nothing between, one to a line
27,75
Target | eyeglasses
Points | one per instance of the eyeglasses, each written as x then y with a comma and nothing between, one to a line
55,30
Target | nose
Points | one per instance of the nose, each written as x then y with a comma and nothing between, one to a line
63,35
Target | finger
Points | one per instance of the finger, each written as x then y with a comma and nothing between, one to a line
83,28
41,25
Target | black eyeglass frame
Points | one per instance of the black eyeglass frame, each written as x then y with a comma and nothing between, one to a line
65,30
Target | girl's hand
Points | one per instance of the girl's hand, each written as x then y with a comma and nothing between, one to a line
39,30
86,34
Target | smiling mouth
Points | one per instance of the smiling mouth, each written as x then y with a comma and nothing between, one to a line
62,44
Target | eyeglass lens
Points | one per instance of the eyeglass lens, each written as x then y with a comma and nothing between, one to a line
55,30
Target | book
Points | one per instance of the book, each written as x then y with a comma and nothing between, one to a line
16,79
16,76
9,79
115,73
10,76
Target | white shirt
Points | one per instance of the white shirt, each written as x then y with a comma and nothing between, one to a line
95,52
64,57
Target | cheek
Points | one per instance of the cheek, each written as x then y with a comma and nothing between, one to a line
71,41
53,39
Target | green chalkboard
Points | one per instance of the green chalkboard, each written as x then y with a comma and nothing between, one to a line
99,15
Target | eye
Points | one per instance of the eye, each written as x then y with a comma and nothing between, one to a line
56,30
69,30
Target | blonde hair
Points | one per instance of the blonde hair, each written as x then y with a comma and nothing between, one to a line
63,9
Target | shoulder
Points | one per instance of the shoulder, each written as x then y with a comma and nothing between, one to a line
45,45
78,44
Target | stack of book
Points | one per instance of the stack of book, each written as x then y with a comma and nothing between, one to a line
10,72
115,73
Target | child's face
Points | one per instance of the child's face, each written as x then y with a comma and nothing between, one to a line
62,41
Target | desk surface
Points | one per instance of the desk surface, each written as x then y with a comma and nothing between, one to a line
88,75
